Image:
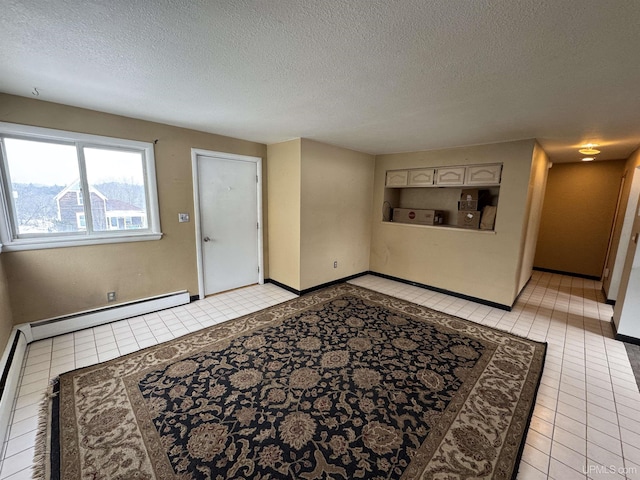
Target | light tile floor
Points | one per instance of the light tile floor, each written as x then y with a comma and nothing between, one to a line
586,422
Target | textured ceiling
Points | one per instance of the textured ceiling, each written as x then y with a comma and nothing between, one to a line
377,76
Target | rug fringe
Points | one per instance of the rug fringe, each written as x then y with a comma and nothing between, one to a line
42,452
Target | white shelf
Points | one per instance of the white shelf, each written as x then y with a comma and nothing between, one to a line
441,227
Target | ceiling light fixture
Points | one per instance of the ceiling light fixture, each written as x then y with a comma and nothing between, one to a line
589,149
588,159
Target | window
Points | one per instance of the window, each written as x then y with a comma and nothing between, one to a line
63,188
81,221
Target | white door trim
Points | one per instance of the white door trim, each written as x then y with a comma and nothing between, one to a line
196,208
625,235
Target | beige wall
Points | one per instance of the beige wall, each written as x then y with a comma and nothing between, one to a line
337,189
577,217
470,262
318,206
48,283
537,187
628,198
284,212
6,316
319,212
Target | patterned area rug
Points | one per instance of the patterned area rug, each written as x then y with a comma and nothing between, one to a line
342,383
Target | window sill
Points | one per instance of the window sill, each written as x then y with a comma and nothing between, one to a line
40,244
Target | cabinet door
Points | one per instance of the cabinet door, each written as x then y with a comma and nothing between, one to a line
396,178
483,175
450,176
421,178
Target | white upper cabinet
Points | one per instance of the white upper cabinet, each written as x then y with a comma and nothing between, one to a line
483,175
457,176
421,178
450,176
397,178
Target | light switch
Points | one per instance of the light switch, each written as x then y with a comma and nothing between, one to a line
183,217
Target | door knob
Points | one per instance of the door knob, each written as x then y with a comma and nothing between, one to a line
207,239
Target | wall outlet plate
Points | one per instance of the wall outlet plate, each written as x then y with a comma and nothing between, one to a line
111,296
183,217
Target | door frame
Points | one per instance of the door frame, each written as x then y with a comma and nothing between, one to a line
197,215
616,265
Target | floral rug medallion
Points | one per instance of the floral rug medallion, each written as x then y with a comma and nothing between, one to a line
339,384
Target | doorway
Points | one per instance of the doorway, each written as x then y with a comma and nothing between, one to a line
615,265
626,313
227,192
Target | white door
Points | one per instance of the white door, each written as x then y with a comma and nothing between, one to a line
229,222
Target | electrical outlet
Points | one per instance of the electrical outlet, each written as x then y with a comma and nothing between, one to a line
111,296
335,264
183,217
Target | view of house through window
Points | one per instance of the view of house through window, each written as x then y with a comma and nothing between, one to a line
57,189
116,183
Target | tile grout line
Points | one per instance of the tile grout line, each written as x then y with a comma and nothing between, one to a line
615,406
555,413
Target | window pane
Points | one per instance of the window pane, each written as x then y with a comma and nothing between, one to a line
116,182
44,181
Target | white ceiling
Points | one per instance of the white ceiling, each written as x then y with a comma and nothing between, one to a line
377,76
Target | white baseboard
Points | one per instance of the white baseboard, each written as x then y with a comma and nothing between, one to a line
30,332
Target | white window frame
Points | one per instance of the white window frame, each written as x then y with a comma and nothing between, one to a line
8,234
80,216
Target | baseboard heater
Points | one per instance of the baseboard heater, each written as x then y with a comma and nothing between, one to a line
25,333
92,318
11,364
